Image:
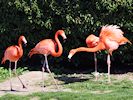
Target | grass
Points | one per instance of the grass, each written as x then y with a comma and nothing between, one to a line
4,73
81,89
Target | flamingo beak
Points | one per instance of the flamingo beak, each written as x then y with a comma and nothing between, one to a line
25,43
64,40
69,56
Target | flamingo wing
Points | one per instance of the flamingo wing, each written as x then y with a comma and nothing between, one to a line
44,47
112,32
12,53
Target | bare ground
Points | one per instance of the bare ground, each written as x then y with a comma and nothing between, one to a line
33,81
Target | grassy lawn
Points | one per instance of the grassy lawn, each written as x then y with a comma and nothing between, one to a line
84,88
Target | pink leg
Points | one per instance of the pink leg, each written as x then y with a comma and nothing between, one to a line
109,65
10,72
43,73
17,75
95,60
50,71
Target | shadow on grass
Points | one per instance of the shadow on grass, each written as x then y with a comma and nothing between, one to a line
74,78
12,91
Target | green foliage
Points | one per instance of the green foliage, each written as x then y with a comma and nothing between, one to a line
39,19
4,73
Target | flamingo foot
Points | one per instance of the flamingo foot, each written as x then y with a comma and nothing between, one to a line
12,89
24,87
43,86
109,81
96,74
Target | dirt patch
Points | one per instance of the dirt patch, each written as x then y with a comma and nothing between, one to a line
33,81
126,76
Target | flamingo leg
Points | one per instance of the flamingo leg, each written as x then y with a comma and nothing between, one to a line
43,73
109,65
95,60
47,66
10,72
17,75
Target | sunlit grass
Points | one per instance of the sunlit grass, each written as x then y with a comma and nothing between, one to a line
118,89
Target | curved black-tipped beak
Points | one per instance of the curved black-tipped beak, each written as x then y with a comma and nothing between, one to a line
64,40
25,44
69,60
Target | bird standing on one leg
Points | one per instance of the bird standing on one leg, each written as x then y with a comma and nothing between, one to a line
13,54
48,47
111,36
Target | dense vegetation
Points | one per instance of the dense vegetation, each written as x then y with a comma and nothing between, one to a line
39,19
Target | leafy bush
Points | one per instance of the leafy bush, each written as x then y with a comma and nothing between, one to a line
4,73
39,19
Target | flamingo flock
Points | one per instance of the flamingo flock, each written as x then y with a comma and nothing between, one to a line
110,38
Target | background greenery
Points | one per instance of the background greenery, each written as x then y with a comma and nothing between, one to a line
40,19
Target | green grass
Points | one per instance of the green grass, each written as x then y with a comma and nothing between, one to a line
4,73
121,89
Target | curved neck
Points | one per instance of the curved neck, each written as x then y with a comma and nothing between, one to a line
20,43
60,49
100,46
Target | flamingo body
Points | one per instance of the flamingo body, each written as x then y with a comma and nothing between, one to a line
43,48
109,39
13,54
48,47
111,36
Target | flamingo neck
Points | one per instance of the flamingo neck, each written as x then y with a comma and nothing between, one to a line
100,46
20,46
20,43
60,49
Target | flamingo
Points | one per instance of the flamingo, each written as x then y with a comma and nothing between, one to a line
48,47
111,36
91,42
13,54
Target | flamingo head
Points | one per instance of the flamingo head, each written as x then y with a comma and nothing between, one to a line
71,53
62,33
23,39
92,41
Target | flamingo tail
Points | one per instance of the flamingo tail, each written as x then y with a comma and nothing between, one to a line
124,40
3,60
32,52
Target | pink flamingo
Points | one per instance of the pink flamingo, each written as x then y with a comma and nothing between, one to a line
13,54
111,36
48,47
